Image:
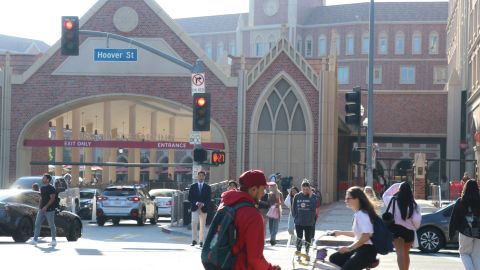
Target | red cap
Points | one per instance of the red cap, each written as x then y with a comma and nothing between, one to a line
253,178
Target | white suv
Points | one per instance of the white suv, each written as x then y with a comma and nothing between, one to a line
126,202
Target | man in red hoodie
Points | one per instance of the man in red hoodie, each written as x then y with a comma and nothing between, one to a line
249,223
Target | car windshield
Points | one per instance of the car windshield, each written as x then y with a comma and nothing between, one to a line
86,194
27,182
161,193
119,192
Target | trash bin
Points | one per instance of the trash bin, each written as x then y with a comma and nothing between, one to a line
187,214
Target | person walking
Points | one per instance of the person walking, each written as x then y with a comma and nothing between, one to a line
275,199
304,213
361,253
407,218
465,219
46,211
288,203
199,196
248,222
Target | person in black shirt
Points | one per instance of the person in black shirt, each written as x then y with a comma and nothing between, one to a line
46,210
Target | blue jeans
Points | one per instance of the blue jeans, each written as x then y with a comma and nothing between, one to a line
273,228
50,216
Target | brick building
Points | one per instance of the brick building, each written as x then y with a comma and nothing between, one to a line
273,76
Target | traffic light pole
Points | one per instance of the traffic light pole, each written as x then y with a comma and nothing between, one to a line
370,96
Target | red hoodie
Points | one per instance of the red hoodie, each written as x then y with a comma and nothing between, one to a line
251,234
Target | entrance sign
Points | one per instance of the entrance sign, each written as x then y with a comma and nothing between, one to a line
115,55
195,137
198,83
120,144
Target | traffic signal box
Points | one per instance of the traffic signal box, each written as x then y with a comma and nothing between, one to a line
201,112
352,106
70,35
199,155
218,157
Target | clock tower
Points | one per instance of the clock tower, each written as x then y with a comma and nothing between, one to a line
271,12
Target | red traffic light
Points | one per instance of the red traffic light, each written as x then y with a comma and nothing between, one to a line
68,24
201,101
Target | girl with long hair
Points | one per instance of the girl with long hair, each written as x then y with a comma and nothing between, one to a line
372,197
275,200
288,203
407,217
465,219
361,253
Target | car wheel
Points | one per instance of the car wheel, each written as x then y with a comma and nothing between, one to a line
141,220
154,220
116,221
24,230
75,231
430,240
100,221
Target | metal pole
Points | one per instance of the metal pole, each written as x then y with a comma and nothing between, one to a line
371,120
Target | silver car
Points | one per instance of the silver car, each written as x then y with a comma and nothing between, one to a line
128,203
433,232
164,200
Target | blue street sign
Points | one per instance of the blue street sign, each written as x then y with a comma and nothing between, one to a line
115,55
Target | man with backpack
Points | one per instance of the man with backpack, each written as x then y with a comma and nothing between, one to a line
236,237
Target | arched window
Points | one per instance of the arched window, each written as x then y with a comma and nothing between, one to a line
259,46
382,43
232,49
349,44
365,43
220,50
322,45
433,43
309,46
299,44
271,41
399,43
208,50
417,43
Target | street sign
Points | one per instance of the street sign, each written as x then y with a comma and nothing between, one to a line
115,55
195,170
198,83
195,137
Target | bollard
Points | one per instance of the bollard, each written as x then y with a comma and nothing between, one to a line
73,205
94,209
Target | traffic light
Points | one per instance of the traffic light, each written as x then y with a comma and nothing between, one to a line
70,35
352,106
218,157
201,112
199,155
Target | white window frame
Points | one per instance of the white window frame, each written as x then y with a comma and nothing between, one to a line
399,43
271,41
309,42
440,74
416,35
258,46
365,43
322,45
344,78
220,50
209,50
432,46
407,80
349,44
382,50
376,79
232,48
299,44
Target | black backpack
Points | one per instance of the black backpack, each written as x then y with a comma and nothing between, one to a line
222,235
382,237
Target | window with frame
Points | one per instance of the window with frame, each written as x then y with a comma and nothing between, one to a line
439,75
382,43
208,50
342,75
322,45
232,49
399,43
309,47
407,75
299,44
433,43
349,44
271,41
220,50
365,43
417,43
259,46
377,75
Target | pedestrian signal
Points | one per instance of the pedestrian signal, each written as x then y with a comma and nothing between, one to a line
218,157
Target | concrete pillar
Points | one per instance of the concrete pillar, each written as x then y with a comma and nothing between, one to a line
112,172
171,153
153,152
59,150
133,154
87,155
419,176
107,126
75,150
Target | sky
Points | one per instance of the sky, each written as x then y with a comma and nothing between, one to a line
40,19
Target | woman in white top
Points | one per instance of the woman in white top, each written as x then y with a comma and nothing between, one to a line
407,216
288,203
361,253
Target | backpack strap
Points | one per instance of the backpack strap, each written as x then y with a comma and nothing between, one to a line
241,204
389,204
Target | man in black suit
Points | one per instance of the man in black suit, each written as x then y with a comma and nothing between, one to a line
199,196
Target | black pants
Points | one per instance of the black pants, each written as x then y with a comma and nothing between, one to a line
358,259
309,234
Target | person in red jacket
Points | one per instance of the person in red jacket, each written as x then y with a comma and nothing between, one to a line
249,223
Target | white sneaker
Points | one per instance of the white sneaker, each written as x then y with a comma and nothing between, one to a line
53,243
32,242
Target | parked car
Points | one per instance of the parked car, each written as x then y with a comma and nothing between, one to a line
69,196
86,201
433,232
18,210
126,202
164,200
